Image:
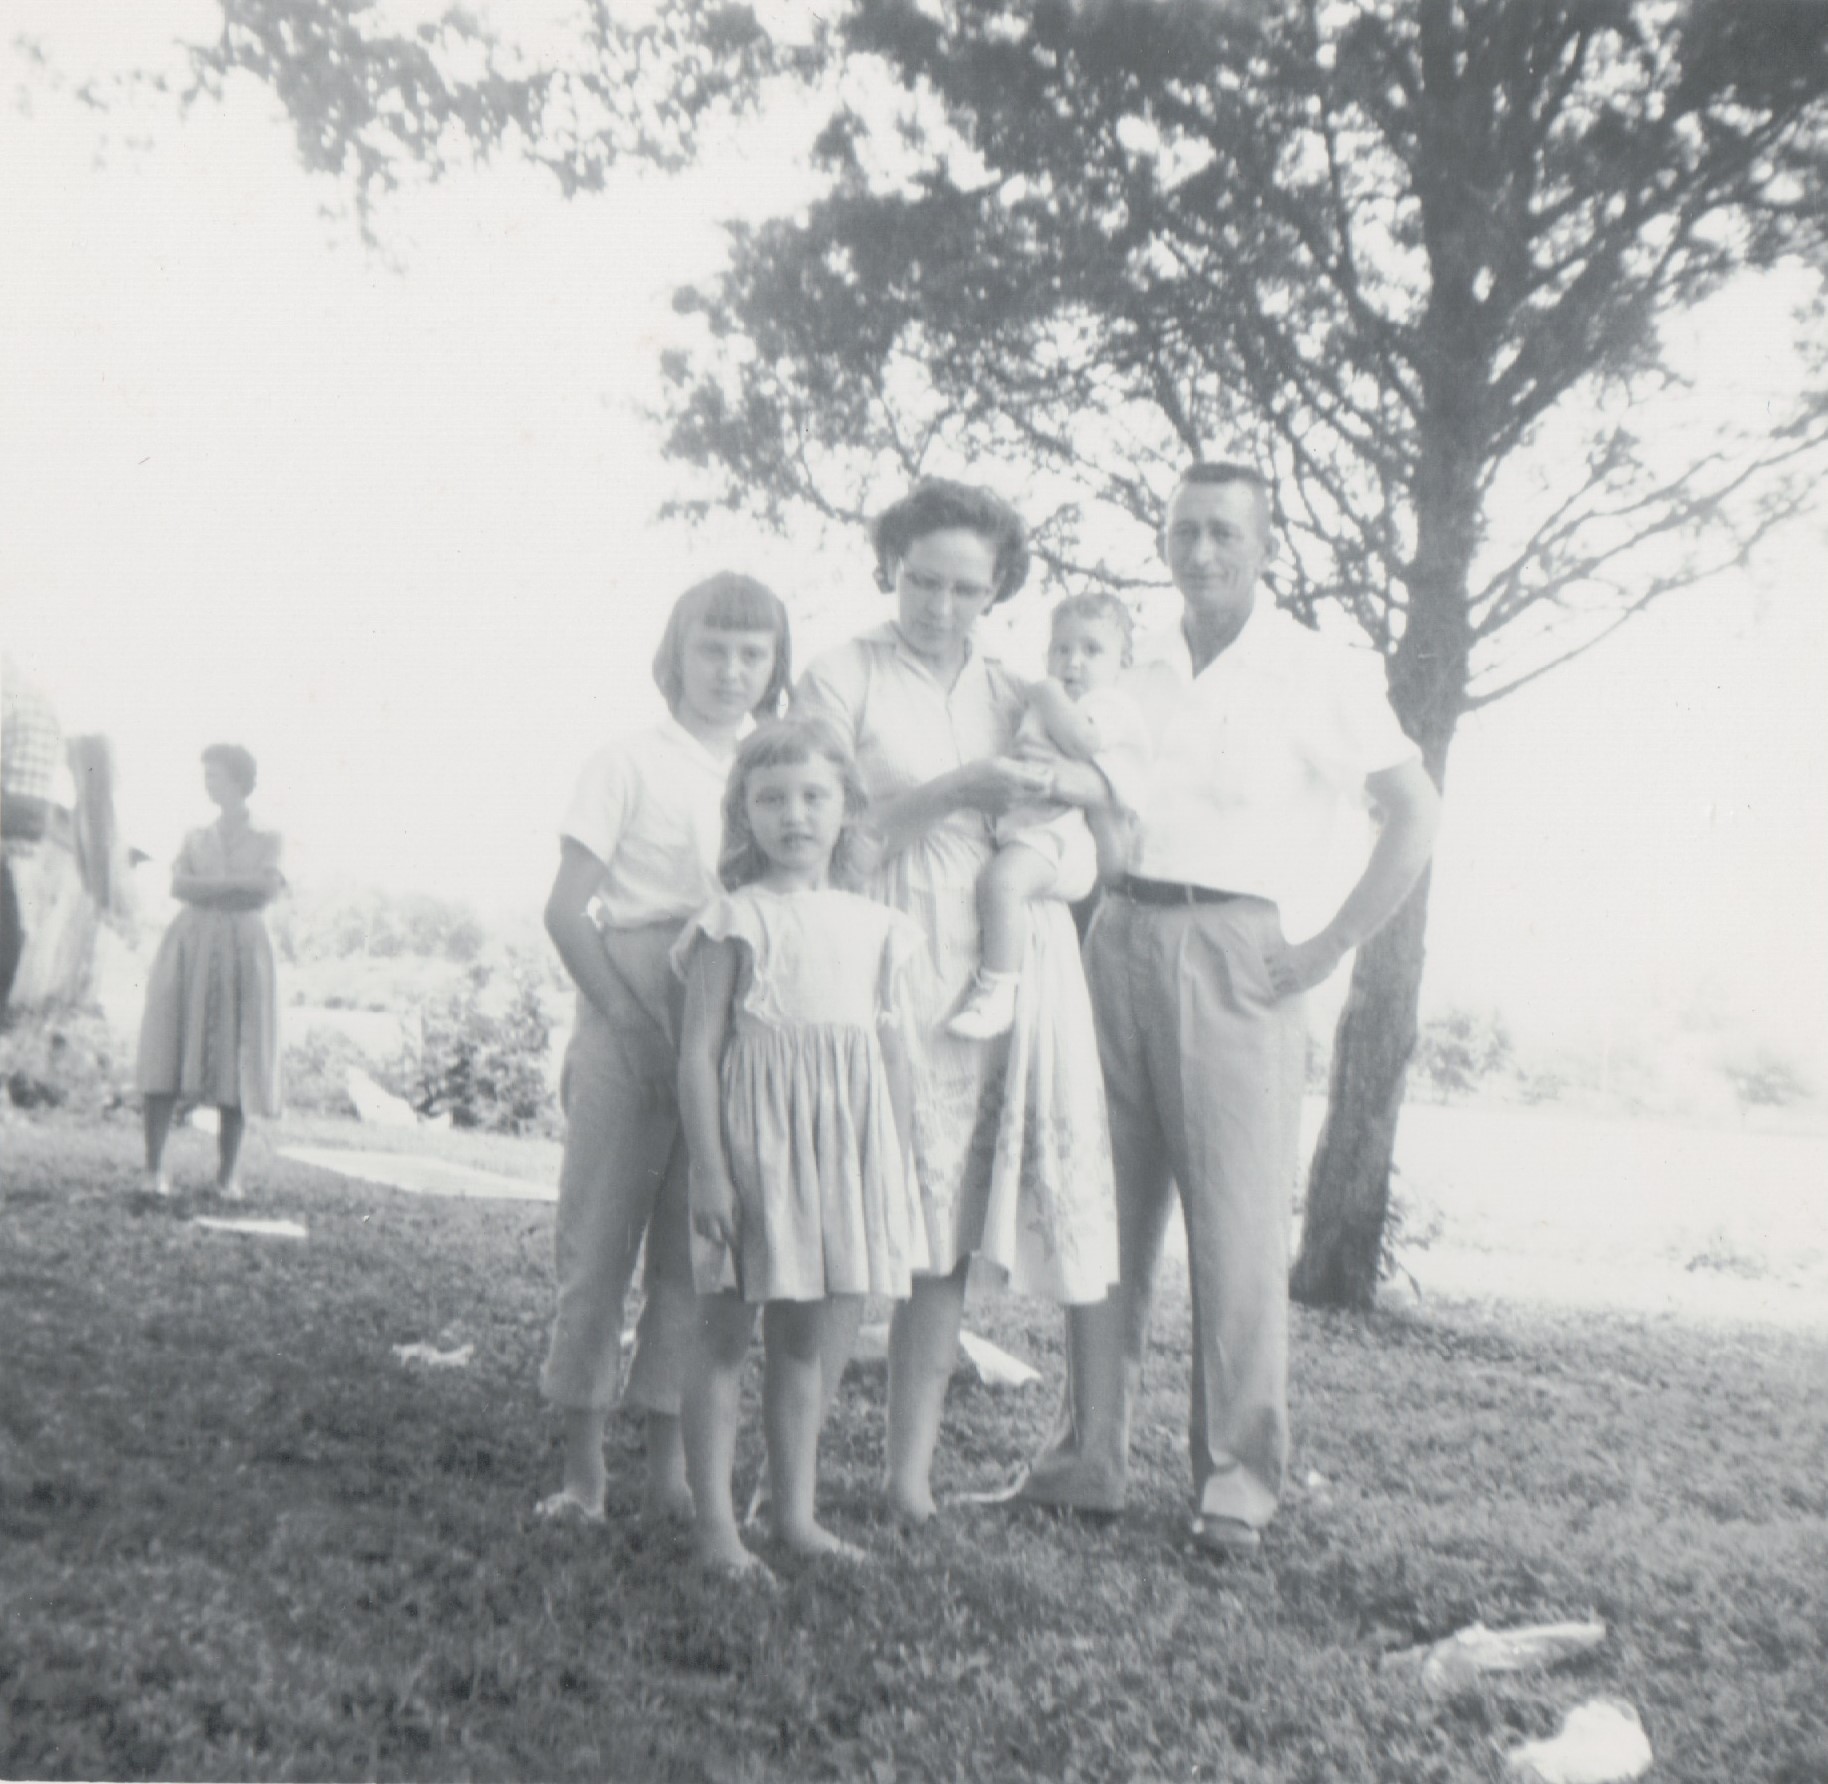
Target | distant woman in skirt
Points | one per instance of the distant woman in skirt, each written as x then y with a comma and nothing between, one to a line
211,1030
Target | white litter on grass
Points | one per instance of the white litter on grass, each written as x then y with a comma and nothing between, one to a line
1600,1742
995,1368
378,1107
420,1176
433,1357
256,1228
1446,1666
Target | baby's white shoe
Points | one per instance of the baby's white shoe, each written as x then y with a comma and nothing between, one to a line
988,1009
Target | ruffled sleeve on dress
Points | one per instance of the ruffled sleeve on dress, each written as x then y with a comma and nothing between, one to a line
735,918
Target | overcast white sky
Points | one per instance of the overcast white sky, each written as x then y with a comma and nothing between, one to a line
391,524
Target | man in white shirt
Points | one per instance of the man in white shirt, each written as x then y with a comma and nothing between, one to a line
1263,730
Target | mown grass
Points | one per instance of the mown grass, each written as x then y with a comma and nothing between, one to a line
239,1540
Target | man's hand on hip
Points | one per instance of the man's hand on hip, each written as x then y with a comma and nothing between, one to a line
1300,966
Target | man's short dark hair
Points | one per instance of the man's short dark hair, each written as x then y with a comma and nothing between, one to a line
1216,473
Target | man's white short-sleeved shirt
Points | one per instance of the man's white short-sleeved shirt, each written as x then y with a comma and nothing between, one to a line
650,808
1256,756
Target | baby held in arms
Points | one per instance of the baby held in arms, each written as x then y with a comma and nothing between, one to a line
1076,715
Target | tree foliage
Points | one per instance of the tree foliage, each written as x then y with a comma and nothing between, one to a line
1402,254
1765,1078
1415,255
1459,1049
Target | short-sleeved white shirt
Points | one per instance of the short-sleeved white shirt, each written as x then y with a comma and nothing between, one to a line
1256,756
650,808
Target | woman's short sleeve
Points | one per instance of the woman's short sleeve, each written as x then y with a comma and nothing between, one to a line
833,688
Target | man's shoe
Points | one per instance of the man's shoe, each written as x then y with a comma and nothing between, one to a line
1227,1539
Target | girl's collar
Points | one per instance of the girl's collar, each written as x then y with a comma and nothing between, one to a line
721,758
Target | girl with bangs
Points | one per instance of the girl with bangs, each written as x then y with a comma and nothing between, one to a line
796,1087
638,850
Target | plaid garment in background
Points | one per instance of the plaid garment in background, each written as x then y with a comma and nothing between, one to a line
31,740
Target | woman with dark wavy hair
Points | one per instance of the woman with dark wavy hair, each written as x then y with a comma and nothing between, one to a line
1011,1145
210,1034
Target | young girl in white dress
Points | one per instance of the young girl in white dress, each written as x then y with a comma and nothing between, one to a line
796,1091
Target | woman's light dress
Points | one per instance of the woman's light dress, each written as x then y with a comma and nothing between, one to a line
210,1034
1011,1142
825,1203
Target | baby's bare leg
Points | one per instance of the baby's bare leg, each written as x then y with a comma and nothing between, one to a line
1013,875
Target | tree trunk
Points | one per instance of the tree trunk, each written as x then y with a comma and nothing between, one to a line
1348,1196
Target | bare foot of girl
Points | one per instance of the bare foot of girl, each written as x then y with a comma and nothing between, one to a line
723,1552
908,1508
667,1502
815,1541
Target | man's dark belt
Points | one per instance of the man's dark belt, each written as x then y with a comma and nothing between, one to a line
1172,892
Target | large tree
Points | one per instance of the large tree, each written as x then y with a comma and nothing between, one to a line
1414,258
1415,255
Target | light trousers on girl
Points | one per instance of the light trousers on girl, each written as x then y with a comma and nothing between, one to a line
623,1178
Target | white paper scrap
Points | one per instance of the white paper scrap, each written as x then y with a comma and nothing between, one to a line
256,1228
433,1357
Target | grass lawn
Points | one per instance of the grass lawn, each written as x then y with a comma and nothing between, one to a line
238,1539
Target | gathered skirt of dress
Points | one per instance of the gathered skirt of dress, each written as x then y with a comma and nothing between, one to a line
1011,1139
210,1034
819,1170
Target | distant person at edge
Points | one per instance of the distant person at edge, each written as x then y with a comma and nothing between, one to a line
1012,1153
1263,731
638,849
210,1033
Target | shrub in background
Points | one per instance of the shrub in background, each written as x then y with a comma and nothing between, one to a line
317,1072
67,1059
1457,1050
1762,1077
485,1066
339,922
